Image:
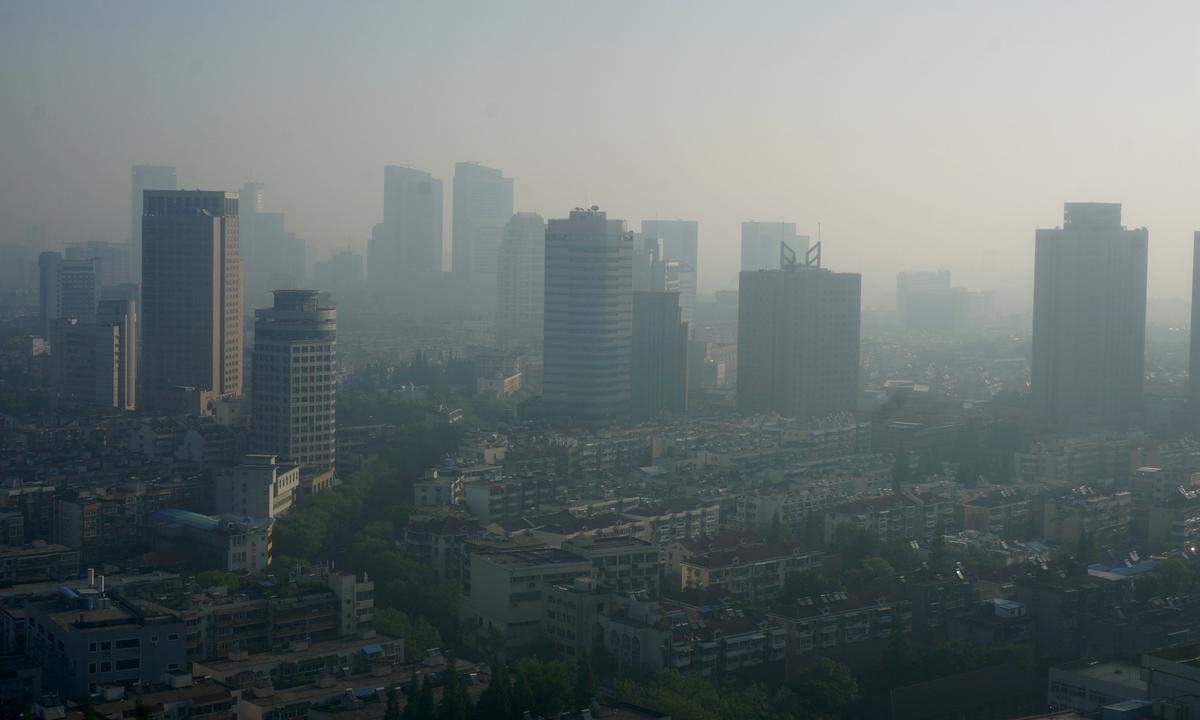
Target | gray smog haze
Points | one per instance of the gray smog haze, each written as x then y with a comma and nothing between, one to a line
917,134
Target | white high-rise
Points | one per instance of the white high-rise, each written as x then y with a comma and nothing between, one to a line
588,317
521,278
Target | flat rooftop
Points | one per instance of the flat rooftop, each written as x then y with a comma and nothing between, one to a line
226,667
1120,673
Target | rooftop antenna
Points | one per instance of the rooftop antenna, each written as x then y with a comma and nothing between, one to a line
787,256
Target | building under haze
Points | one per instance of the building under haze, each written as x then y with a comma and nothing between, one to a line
294,413
926,302
1089,319
191,294
66,288
342,275
588,317
681,253
96,363
483,205
404,259
145,177
112,260
760,243
521,283
660,344
798,341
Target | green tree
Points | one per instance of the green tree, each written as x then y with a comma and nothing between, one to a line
827,687
456,702
495,702
585,683
393,705
140,711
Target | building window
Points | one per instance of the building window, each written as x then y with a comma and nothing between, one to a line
129,643
129,664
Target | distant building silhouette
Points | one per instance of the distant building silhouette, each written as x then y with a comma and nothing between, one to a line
925,301
760,243
521,283
67,288
1194,355
404,259
798,341
483,205
191,294
588,317
680,243
1089,319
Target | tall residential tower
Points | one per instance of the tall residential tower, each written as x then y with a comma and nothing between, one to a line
483,205
145,177
521,283
405,255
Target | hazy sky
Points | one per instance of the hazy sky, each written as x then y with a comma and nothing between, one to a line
917,134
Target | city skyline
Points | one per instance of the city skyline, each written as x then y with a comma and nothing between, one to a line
901,190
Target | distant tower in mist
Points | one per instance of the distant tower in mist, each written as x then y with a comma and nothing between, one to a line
681,253
1089,319
1194,356
405,254
191,294
760,244
145,177
295,382
798,341
588,317
483,205
521,283
67,288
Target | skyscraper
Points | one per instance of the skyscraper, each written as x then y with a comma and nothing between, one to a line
680,243
405,255
649,269
760,243
112,261
96,364
659,368
67,288
294,413
145,177
191,294
521,283
483,205
798,341
588,317
1089,319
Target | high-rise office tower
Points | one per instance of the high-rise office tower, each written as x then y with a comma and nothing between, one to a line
191,294
1194,355
680,243
294,414
521,283
341,275
1089,319
588,317
483,205
96,364
798,341
67,288
404,259
112,261
925,301
145,177
649,269
760,243
659,368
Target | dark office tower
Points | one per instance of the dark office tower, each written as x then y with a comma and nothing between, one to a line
659,374
649,269
798,339
295,382
405,256
191,294
521,283
67,288
145,177
1089,319
483,205
588,317
1194,356
96,364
